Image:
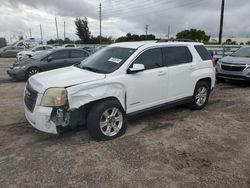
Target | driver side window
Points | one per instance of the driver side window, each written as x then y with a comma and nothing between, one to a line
151,58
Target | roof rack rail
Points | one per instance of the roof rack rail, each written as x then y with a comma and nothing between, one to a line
175,40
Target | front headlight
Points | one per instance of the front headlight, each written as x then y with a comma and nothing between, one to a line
54,97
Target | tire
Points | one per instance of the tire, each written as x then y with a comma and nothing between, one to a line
31,71
220,80
101,120
200,96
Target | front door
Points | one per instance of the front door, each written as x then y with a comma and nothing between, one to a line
147,88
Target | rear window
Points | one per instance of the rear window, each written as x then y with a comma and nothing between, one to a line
202,51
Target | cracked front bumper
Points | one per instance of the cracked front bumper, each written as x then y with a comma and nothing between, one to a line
40,118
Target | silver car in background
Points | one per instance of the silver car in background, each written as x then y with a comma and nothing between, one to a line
235,67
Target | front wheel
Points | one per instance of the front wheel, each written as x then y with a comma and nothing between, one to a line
32,71
106,120
200,96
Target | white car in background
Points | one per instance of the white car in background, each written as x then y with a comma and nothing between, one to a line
29,53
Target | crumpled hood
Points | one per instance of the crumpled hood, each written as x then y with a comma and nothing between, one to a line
240,60
63,77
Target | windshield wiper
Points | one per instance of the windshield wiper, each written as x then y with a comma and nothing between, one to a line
91,69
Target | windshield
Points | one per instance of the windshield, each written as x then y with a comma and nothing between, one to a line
40,55
107,60
242,52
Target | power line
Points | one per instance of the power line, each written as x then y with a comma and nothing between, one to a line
151,10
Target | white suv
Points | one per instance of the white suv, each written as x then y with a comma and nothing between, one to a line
121,80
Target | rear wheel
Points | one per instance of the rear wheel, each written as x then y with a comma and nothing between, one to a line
200,96
32,71
106,120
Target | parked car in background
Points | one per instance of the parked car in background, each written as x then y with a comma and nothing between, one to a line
121,80
10,51
234,67
46,60
3,42
69,46
29,53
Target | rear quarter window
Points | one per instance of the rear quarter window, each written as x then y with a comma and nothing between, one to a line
202,51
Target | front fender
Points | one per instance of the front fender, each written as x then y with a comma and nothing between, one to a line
80,95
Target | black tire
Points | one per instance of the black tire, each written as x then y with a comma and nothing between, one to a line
31,71
195,105
95,116
220,80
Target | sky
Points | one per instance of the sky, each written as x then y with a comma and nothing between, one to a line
119,17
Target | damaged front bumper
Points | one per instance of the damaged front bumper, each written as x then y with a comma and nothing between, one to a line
40,118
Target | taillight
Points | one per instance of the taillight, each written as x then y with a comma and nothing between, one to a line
214,62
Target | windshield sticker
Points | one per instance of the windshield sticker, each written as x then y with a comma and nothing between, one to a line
115,60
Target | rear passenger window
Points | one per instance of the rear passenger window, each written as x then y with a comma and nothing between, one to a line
202,51
151,58
177,55
78,54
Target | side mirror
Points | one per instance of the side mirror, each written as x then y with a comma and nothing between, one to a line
49,58
136,68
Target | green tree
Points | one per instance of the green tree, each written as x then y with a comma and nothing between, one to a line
193,34
134,37
82,29
229,41
248,43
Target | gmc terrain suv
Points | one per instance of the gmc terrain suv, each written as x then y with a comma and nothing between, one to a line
118,81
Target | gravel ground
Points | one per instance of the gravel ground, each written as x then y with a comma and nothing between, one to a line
173,148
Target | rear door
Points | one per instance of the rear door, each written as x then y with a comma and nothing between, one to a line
180,67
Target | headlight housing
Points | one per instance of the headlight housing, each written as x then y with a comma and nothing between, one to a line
54,97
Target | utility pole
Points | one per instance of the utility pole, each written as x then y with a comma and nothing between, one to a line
41,32
64,34
146,30
56,30
168,31
30,32
100,15
221,20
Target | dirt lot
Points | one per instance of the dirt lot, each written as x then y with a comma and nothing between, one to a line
174,148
